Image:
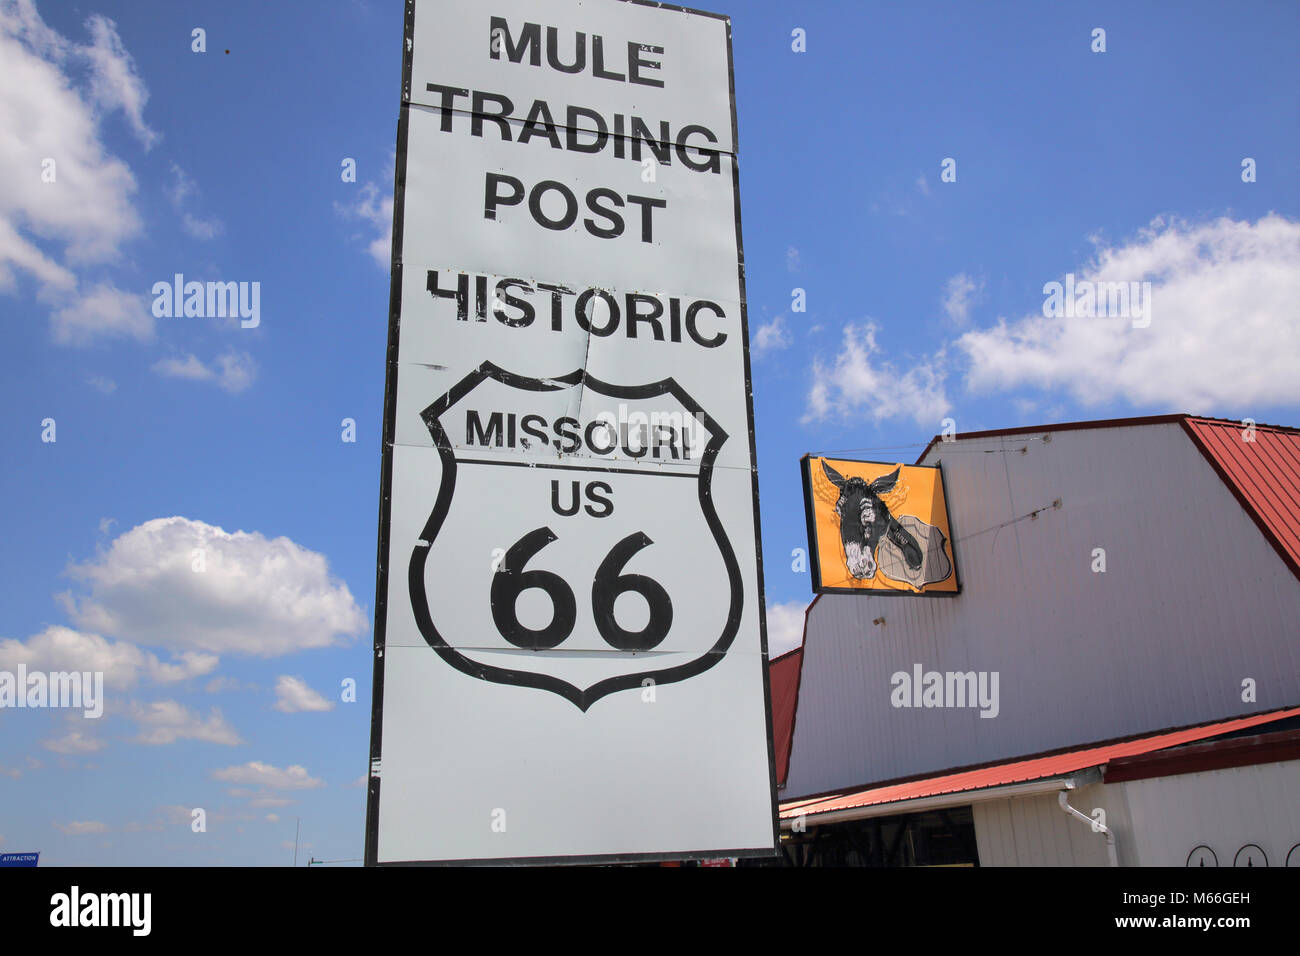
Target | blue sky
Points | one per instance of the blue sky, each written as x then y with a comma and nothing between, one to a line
924,301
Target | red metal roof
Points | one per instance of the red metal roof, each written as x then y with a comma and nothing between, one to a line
783,674
1263,470
1024,770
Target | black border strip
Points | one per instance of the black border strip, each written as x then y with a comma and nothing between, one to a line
390,399
952,535
605,860
809,514
749,412
386,468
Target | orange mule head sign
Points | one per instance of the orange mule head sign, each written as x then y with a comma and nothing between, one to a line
877,527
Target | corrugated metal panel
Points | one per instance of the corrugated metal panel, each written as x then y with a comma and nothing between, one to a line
1221,809
1193,601
1020,771
1032,831
1058,427
783,675
1262,466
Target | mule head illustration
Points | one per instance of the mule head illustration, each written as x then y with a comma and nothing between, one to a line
865,519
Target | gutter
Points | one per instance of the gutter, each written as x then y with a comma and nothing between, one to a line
959,798
1063,799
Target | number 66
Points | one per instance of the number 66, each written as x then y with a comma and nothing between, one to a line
511,580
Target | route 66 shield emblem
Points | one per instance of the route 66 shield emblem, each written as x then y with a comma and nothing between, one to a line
600,499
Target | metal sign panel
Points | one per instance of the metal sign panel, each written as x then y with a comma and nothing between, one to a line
570,652
877,527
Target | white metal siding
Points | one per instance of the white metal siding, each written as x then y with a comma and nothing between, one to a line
1223,809
1194,599
1033,831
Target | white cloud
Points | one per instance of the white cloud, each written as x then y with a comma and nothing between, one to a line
74,742
178,194
166,721
122,664
67,190
181,188
256,596
235,370
294,696
374,208
273,818
222,684
68,200
784,627
1224,323
232,371
960,293
923,185
104,312
115,84
88,204
857,384
265,800
189,367
17,251
171,814
258,774
175,815
773,335
792,259
16,772
83,828
102,384
203,229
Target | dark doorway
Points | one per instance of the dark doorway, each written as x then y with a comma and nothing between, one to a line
933,838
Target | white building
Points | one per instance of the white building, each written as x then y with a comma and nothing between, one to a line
1128,630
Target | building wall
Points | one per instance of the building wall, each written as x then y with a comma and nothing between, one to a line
1033,831
1157,822
1222,809
1194,599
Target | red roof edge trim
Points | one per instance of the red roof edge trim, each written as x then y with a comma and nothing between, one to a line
1275,747
1050,763
1190,427
783,737
798,687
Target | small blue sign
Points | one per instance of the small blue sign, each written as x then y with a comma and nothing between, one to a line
19,859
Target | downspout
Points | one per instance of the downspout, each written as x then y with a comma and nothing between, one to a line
1063,799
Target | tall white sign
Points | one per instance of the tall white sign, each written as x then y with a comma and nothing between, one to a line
570,656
